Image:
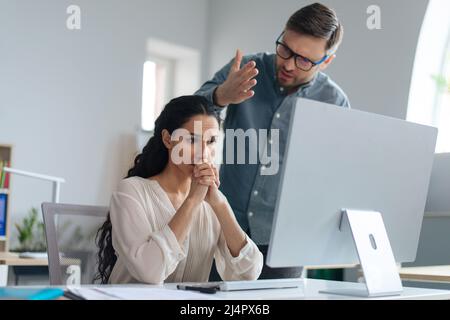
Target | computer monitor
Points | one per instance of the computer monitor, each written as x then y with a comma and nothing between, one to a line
338,158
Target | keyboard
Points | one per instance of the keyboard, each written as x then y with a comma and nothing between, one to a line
252,284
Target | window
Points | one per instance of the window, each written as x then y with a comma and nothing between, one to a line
169,71
429,99
155,90
442,106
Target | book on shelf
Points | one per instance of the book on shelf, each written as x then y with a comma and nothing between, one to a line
7,175
3,208
4,176
2,164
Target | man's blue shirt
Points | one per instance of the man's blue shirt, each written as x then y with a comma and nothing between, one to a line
251,194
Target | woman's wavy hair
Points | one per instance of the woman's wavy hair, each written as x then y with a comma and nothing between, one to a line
150,162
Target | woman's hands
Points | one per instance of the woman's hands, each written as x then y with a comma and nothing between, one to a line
206,175
198,191
205,184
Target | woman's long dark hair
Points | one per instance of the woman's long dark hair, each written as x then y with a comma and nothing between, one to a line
150,162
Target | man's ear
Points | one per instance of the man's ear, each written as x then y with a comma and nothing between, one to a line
166,139
327,62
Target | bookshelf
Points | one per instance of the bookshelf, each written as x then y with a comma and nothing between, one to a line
10,258
5,160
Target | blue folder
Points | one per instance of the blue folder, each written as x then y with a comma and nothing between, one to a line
30,293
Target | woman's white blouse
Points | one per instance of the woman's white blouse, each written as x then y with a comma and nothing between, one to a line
148,252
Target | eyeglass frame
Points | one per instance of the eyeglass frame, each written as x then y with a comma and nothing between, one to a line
295,55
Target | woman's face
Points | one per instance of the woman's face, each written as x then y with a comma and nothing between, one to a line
194,143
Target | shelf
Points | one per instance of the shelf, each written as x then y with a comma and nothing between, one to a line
13,259
4,191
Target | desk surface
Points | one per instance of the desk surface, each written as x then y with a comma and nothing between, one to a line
309,291
440,274
13,259
312,287
427,273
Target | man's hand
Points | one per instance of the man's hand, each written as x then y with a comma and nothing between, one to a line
236,88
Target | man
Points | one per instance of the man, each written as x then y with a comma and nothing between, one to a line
260,95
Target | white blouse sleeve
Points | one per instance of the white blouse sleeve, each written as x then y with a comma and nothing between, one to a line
246,266
150,255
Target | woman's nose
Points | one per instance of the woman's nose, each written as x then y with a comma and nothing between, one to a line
201,153
205,152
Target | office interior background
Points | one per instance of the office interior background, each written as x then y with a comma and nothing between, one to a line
78,103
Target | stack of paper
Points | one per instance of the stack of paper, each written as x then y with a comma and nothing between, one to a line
136,293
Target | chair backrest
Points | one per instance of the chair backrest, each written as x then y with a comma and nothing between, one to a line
70,231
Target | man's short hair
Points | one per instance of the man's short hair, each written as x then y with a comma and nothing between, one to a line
318,21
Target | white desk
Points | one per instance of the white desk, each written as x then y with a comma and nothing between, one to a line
437,274
12,259
309,291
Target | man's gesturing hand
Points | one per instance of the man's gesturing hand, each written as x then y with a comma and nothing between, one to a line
236,88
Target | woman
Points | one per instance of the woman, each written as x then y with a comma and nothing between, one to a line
168,219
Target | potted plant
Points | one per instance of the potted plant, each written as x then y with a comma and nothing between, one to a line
31,234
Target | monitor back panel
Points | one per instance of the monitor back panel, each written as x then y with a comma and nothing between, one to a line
341,158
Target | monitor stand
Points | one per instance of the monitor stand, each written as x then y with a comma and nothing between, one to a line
375,255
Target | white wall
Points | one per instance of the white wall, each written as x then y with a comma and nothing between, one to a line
70,100
373,67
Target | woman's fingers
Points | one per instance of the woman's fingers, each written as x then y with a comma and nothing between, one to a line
204,169
216,176
204,172
207,174
201,166
216,172
207,181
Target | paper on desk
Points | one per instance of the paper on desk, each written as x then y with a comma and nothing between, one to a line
137,293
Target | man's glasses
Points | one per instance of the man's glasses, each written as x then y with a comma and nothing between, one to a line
305,64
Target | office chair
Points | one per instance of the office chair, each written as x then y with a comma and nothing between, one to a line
70,232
